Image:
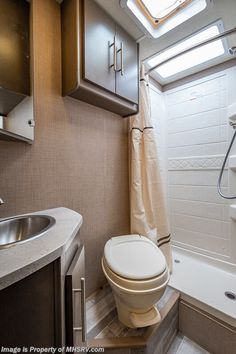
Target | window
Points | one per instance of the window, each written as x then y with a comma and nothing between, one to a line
192,58
159,9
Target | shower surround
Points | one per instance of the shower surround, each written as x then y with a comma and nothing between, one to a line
195,135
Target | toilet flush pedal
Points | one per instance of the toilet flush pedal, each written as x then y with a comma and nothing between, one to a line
152,316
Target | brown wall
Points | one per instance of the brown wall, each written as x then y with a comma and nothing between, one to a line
79,158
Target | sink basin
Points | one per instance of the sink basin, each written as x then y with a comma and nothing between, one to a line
22,228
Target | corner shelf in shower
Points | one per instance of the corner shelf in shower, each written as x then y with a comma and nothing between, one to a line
232,211
232,162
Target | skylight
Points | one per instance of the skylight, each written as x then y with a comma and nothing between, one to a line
148,14
192,58
162,8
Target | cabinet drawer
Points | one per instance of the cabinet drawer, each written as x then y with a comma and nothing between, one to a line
75,306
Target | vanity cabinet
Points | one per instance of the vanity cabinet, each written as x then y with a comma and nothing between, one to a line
100,63
30,312
47,308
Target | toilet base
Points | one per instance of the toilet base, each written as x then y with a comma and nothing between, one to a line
134,318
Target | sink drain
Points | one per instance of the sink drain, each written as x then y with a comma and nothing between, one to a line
177,261
230,295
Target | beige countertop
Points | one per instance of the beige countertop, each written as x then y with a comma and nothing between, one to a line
23,259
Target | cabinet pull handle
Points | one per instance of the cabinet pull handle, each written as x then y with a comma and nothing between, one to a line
121,51
110,45
83,310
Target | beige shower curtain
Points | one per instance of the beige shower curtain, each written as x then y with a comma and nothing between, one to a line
148,207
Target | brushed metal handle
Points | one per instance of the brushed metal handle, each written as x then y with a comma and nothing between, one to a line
83,327
83,307
110,45
121,51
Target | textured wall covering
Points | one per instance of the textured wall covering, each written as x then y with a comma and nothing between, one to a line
79,158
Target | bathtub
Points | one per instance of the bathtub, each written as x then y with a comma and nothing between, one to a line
203,282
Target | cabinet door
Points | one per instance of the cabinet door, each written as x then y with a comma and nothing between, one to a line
127,74
30,310
75,301
99,33
14,54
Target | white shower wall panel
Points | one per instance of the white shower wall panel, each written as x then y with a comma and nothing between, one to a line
197,121
197,136
199,194
202,177
203,210
197,103
191,91
198,150
197,241
211,227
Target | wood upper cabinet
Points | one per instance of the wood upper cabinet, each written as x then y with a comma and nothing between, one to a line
100,63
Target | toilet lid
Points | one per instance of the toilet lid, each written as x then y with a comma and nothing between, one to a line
134,257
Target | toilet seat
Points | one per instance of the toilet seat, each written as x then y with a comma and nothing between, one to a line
136,285
134,257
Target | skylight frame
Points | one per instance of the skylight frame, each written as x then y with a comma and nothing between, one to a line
198,67
150,28
177,6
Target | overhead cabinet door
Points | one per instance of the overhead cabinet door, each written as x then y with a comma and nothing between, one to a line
99,50
126,66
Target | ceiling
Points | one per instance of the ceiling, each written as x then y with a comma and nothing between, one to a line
217,9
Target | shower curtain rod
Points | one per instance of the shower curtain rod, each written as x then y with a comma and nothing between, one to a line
215,38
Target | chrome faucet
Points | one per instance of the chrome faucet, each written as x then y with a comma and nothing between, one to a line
1,201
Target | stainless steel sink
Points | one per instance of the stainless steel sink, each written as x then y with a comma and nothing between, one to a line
22,228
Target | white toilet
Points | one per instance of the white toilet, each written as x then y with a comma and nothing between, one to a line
138,274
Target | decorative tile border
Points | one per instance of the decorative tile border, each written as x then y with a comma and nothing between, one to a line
210,162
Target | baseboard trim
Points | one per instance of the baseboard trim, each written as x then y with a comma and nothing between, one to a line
206,330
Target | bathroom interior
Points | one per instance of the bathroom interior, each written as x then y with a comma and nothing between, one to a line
118,176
